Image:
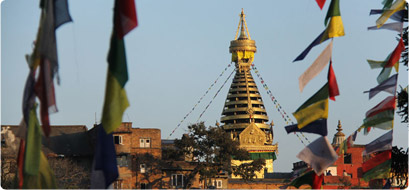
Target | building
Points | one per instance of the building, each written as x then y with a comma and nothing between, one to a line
244,115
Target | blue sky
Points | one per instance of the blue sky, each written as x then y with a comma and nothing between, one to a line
180,47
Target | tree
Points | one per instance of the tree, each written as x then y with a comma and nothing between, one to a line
69,173
212,150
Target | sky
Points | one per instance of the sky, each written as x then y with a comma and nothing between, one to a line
179,49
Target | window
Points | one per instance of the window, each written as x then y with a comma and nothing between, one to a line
118,185
144,186
3,141
347,159
145,142
177,180
122,161
218,184
117,139
143,168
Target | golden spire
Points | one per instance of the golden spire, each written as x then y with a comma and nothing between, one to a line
243,103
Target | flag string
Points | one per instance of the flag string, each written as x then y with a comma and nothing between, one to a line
200,100
216,95
280,109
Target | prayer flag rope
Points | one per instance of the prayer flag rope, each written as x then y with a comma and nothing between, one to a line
280,109
198,102
215,95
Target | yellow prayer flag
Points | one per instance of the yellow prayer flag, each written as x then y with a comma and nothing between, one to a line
318,110
335,28
397,6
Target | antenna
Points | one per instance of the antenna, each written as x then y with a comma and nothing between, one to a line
95,118
128,117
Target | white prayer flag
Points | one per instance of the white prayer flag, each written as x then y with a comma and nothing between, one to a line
319,155
316,67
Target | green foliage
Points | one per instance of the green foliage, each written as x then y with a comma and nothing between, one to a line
212,149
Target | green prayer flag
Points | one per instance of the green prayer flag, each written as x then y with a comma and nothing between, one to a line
116,100
33,144
44,179
381,171
307,178
379,118
322,94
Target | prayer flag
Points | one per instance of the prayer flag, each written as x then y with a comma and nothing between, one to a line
381,117
316,107
62,14
388,85
387,104
382,143
317,127
351,139
381,171
37,172
396,26
33,144
20,163
316,67
309,178
396,54
397,16
385,73
317,41
333,10
396,6
104,167
116,100
45,178
335,27
319,155
332,83
320,3
387,125
378,159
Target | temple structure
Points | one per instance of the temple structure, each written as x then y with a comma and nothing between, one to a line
244,115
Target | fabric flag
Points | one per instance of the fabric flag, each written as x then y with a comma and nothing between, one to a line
387,125
379,118
104,167
396,6
309,178
382,143
343,148
387,185
62,14
351,139
396,26
388,85
380,64
116,100
332,83
387,104
385,73
397,16
317,127
316,67
319,155
320,3
316,107
381,171
335,27
317,41
378,159
37,172
20,163
396,54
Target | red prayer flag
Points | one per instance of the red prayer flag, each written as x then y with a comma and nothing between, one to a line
395,56
44,89
320,3
20,162
125,17
387,104
378,159
332,83
317,181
